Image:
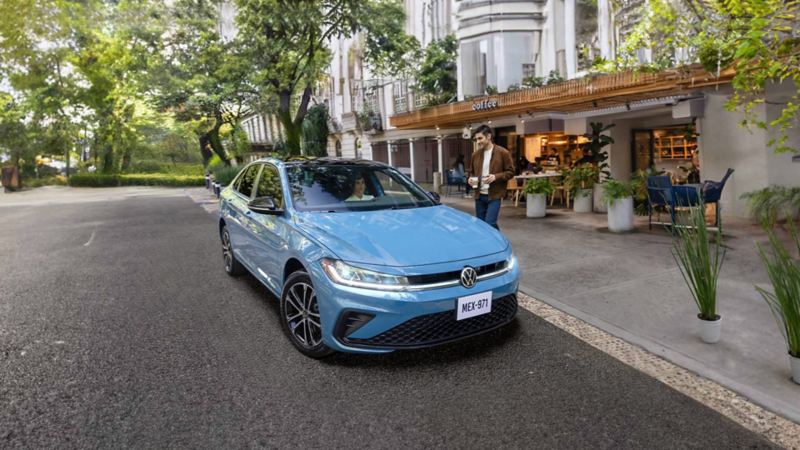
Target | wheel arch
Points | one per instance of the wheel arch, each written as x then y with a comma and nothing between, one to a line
292,265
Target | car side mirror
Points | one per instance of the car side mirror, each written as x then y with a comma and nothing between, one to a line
264,205
436,198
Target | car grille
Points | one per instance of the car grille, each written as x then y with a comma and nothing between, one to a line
454,275
432,329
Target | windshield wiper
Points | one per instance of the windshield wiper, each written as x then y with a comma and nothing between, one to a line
404,207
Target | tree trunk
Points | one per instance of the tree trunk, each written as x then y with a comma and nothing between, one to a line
293,127
108,159
205,149
216,143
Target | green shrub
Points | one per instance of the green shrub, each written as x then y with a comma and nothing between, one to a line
774,203
58,180
581,177
225,174
146,166
616,189
784,300
151,179
94,180
699,267
155,166
538,186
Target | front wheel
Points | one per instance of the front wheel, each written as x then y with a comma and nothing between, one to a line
300,317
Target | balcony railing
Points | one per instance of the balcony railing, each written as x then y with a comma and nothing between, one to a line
571,95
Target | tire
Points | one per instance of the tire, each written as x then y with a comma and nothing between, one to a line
299,309
232,266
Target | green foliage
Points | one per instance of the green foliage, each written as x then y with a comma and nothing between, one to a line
315,131
225,174
152,179
699,266
784,300
639,184
617,189
214,162
436,77
774,203
554,77
491,90
57,180
155,166
583,176
531,82
758,38
598,140
538,186
289,44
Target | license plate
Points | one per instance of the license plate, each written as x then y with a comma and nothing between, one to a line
473,305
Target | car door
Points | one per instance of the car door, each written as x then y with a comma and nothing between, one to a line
270,232
238,212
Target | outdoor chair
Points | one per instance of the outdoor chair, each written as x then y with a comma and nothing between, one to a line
712,191
454,179
662,195
514,189
562,191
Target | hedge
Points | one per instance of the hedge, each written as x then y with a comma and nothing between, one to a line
151,179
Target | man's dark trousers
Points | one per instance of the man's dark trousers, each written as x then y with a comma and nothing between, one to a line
487,210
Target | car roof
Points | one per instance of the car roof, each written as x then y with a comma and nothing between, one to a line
321,161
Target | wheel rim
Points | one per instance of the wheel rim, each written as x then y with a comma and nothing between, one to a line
302,314
227,251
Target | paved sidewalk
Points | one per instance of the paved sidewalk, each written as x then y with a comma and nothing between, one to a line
630,286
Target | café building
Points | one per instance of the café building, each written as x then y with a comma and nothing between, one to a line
674,121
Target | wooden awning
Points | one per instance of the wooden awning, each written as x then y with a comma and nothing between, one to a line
602,91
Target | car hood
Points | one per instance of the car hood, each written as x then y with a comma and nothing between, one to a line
406,237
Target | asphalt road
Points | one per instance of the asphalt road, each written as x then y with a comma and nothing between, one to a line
119,328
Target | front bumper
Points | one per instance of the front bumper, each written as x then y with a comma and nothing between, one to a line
407,320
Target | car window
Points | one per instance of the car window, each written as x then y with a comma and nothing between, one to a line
245,185
269,185
350,187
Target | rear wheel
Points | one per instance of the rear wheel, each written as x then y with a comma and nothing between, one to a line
300,316
232,266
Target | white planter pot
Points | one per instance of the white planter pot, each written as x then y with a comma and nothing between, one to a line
600,206
620,215
710,329
583,201
795,363
536,205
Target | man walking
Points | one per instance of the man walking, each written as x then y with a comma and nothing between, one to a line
492,166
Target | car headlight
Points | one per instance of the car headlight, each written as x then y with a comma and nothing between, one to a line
342,273
511,263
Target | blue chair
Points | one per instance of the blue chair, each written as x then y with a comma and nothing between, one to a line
661,194
660,197
454,179
712,192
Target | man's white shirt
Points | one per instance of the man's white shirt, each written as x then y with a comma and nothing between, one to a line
487,159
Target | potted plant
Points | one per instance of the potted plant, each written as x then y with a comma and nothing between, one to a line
580,181
593,151
537,190
700,268
784,300
618,195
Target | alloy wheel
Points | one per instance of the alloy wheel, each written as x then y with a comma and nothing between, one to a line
302,314
227,250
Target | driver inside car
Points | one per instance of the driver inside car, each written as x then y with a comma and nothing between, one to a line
359,187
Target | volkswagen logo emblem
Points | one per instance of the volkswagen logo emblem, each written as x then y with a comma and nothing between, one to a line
468,277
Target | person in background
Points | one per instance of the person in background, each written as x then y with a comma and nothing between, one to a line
489,169
552,158
458,166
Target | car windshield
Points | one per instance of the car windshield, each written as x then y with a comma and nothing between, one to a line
352,187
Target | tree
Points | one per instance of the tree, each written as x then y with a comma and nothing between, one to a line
315,130
758,38
200,77
289,40
436,77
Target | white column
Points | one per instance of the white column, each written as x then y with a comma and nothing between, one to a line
439,152
389,152
411,154
603,28
569,38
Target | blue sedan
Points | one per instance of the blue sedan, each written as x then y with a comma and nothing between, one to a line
363,259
